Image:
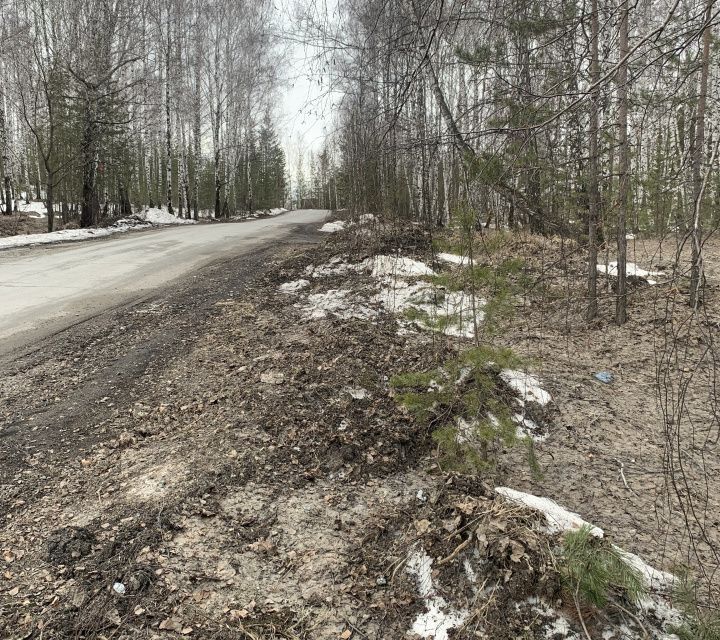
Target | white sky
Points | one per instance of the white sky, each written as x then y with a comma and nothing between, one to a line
306,106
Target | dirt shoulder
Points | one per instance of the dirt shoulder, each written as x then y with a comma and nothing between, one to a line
224,461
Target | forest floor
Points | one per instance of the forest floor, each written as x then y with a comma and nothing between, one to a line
229,460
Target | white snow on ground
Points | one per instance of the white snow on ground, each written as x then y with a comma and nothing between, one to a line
335,267
450,312
144,220
397,266
452,258
161,216
558,518
529,390
527,428
556,624
35,209
632,270
332,227
527,386
339,225
654,579
438,618
66,235
338,302
294,286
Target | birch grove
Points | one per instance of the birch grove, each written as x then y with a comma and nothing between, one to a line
108,106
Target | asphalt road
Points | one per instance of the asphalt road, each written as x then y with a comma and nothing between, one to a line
46,289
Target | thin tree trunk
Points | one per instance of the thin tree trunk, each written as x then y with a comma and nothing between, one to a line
623,168
593,190
4,143
168,129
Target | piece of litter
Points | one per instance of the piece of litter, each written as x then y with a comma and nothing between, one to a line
604,376
119,588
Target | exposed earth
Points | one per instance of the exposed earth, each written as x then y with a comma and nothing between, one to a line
220,460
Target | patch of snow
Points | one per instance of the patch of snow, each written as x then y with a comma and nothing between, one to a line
332,227
555,626
337,266
654,579
337,302
527,428
560,627
529,390
558,518
162,216
632,270
658,608
398,266
35,209
294,286
452,258
438,618
452,311
67,235
527,386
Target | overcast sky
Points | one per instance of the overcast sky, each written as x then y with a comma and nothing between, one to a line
306,105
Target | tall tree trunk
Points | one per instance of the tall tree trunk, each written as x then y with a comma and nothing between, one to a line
593,189
623,167
90,207
696,272
168,127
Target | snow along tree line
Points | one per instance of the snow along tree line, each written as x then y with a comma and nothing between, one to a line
585,119
110,104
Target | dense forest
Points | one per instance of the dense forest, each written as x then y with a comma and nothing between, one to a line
113,104
592,120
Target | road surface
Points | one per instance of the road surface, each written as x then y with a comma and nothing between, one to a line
46,289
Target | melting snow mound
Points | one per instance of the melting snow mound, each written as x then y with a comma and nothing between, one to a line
332,227
162,216
337,302
558,518
398,266
451,258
